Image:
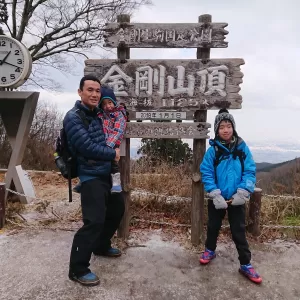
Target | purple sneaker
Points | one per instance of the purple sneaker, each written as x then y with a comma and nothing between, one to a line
249,272
207,256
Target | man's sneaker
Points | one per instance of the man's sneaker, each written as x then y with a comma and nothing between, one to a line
116,183
111,252
89,279
207,256
249,272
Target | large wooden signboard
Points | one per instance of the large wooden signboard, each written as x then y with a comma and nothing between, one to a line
151,35
170,89
179,85
168,130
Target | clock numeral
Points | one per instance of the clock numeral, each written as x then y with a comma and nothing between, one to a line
19,61
18,70
12,76
3,43
3,79
17,52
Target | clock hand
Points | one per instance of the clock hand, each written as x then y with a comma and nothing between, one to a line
4,59
13,65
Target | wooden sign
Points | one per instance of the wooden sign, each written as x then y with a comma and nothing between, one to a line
148,35
167,130
180,85
160,115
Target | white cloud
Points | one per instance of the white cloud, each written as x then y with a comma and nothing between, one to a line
64,101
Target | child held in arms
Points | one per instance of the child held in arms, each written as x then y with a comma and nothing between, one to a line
113,118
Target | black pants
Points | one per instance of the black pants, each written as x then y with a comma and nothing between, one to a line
101,213
115,167
236,217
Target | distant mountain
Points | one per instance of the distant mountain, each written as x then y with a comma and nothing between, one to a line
262,166
266,167
270,152
282,178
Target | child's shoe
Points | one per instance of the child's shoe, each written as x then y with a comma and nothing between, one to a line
207,256
116,183
249,272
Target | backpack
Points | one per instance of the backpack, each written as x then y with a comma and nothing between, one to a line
219,157
65,161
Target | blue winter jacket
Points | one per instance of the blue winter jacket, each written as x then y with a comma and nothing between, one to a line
229,170
88,143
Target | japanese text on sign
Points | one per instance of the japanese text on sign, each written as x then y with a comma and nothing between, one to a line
213,79
158,115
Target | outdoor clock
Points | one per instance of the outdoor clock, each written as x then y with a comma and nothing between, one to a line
15,62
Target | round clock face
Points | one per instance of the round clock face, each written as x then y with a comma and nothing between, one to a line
14,62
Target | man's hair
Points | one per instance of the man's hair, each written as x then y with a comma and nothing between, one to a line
87,77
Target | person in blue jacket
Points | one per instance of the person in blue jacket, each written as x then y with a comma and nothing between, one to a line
229,176
101,210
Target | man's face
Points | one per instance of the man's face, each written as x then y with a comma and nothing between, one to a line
90,93
226,131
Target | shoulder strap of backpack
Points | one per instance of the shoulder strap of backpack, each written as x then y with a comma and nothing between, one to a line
242,156
83,117
218,154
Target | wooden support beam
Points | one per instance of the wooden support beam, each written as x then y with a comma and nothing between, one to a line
254,212
199,148
123,231
2,204
17,111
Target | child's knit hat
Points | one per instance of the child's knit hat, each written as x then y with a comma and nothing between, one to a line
221,116
107,93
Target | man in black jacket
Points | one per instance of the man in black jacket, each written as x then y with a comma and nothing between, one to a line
101,210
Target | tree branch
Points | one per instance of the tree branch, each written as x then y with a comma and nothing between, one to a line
14,19
36,5
58,51
77,52
49,50
49,37
35,82
56,28
24,21
7,26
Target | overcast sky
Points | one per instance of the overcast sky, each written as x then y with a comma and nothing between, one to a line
265,33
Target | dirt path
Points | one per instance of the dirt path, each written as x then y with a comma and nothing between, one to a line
34,262
34,265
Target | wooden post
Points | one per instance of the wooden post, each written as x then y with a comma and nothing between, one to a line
254,212
2,204
199,148
123,231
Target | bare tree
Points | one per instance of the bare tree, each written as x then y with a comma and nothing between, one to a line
39,150
44,130
55,30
